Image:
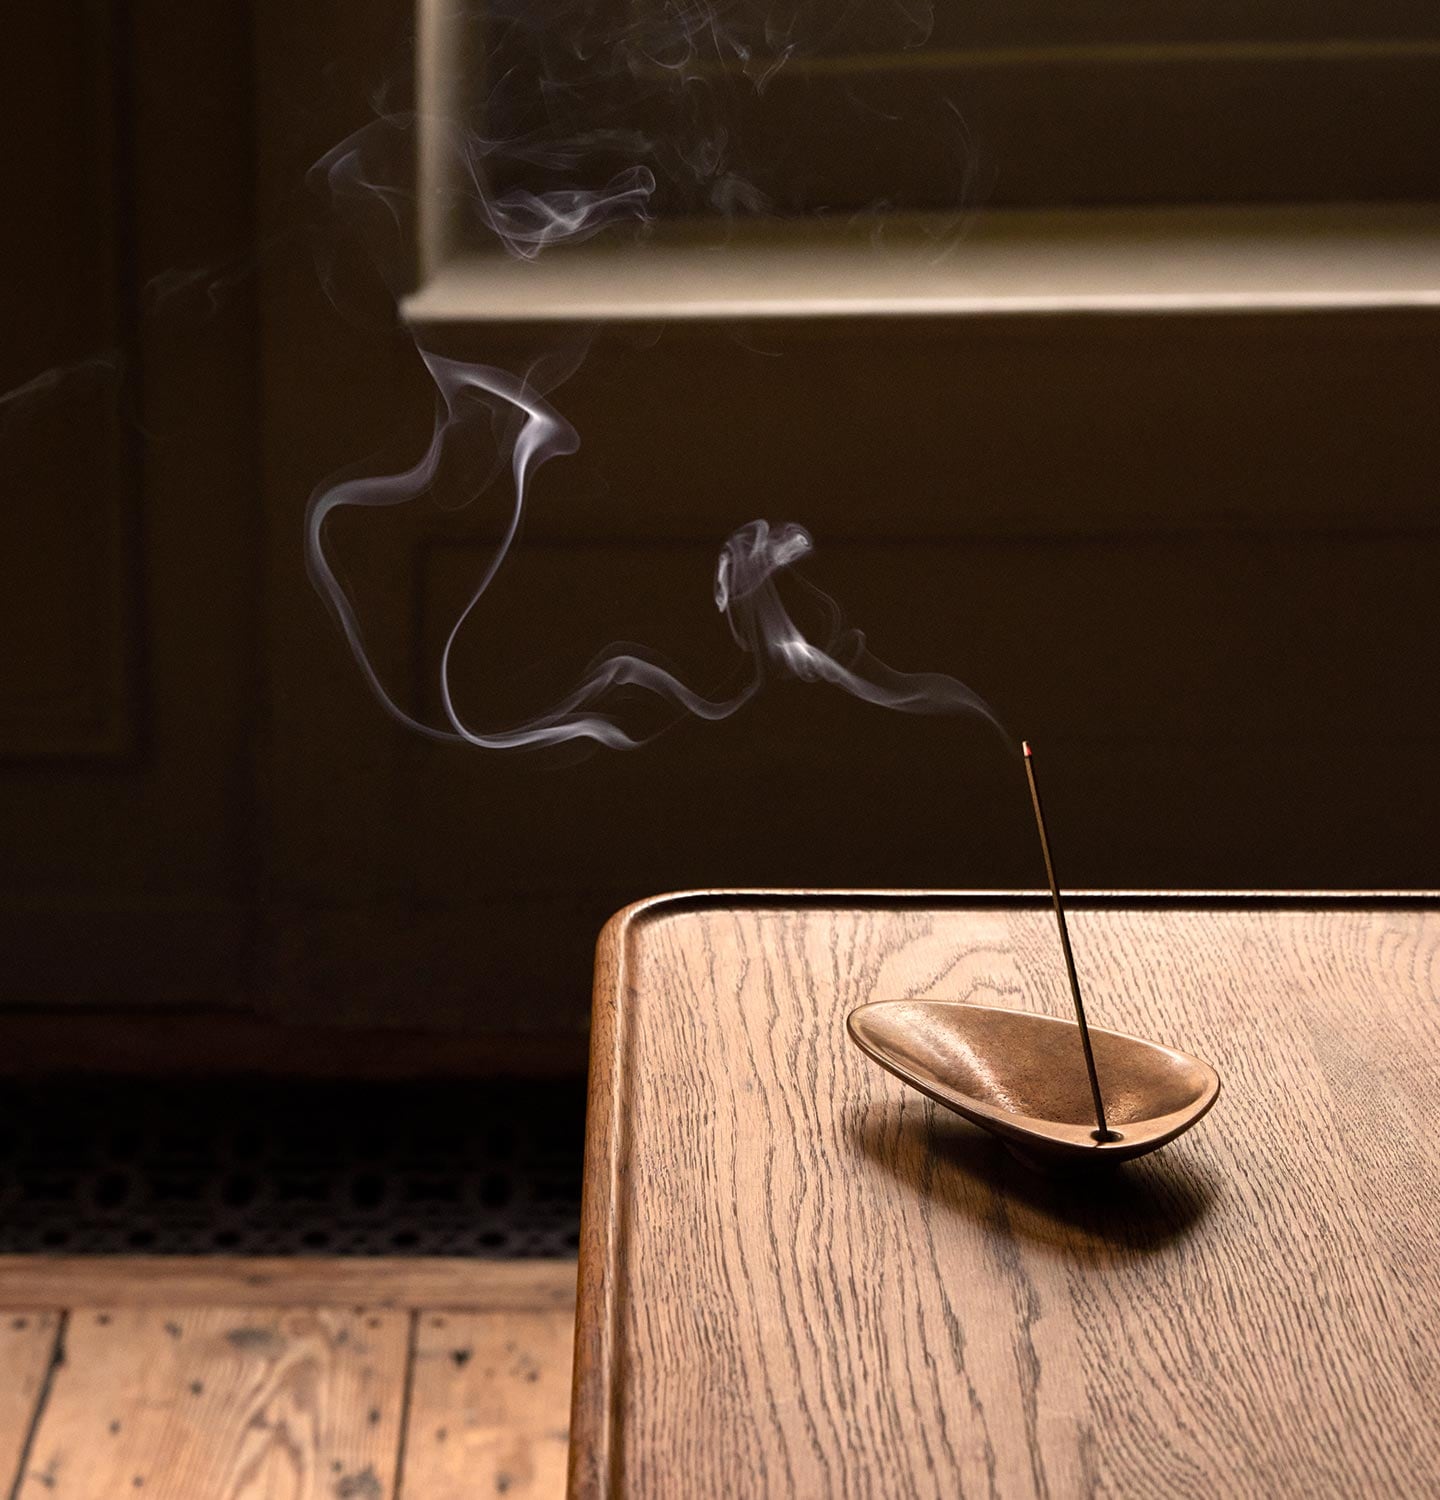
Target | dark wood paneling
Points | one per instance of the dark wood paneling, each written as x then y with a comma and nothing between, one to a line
1041,105
1213,704
130,594
1048,23
938,428
1012,131
204,1043
67,455
1190,555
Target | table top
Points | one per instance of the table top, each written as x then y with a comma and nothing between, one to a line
799,1277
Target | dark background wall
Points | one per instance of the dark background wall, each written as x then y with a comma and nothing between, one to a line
129,694
1192,557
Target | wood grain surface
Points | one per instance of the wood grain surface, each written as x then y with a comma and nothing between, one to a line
800,1278
222,1404
347,1384
488,1400
27,1351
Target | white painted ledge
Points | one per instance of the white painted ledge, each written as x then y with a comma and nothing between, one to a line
1146,260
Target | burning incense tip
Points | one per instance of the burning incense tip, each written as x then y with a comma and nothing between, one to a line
1025,746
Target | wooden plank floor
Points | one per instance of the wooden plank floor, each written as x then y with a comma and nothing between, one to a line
214,1379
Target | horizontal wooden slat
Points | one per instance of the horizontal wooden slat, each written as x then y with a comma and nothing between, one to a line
63,1281
1017,262
209,1043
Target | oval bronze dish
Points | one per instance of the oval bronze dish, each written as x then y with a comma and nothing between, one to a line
1020,1076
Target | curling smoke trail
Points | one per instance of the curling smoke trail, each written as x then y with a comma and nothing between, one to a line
35,390
552,207
543,434
746,593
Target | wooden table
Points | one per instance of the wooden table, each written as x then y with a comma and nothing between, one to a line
800,1278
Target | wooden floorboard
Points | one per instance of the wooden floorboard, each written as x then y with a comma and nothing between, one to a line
31,1281
489,1405
355,1380
224,1402
27,1349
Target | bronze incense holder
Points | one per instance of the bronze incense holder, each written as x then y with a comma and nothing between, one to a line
1020,1076
1036,1081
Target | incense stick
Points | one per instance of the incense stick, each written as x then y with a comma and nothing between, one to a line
1102,1130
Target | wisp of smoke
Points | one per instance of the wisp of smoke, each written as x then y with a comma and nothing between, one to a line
475,400
39,387
747,594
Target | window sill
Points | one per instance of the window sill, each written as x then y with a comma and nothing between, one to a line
1213,260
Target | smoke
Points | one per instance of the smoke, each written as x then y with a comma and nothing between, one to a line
94,368
747,594
201,291
526,222
551,179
